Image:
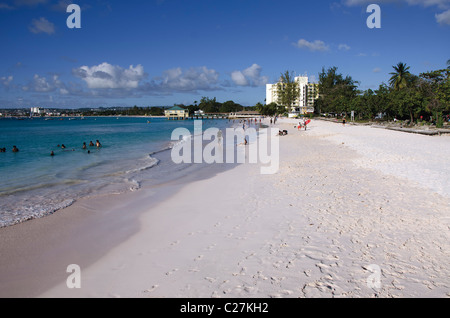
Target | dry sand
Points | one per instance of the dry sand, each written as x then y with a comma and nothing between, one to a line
346,202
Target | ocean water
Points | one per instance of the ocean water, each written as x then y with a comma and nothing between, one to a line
135,151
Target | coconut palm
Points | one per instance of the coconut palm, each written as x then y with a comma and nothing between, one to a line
400,77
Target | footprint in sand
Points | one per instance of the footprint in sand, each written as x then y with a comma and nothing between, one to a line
210,279
172,271
198,258
212,246
151,289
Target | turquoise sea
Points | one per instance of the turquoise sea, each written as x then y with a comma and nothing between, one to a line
134,151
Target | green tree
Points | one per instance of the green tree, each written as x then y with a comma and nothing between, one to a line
400,77
436,89
287,90
271,109
230,107
209,105
336,91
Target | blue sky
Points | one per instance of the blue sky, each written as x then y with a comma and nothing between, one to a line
162,52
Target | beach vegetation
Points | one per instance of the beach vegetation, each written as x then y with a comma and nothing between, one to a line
287,89
271,109
407,96
401,77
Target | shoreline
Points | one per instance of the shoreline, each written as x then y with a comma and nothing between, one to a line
36,252
19,205
311,230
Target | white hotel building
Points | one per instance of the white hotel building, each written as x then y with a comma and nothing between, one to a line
304,104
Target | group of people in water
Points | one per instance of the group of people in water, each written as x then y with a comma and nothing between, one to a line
14,149
84,147
63,147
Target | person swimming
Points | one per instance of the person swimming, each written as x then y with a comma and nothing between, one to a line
98,144
63,147
52,154
84,145
91,144
2,149
15,149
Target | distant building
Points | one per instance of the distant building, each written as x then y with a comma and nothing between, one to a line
36,111
245,114
312,95
304,104
176,113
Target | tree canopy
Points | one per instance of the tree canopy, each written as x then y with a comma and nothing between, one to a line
287,89
407,96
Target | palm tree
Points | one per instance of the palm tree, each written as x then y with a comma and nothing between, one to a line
448,64
400,77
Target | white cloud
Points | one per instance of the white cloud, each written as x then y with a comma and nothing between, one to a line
42,85
239,78
251,76
343,47
63,91
317,45
443,18
5,6
6,81
192,79
107,76
376,70
42,26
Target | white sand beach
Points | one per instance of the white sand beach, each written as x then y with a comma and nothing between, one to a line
345,202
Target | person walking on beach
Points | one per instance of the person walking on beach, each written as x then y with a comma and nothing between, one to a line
219,136
343,121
